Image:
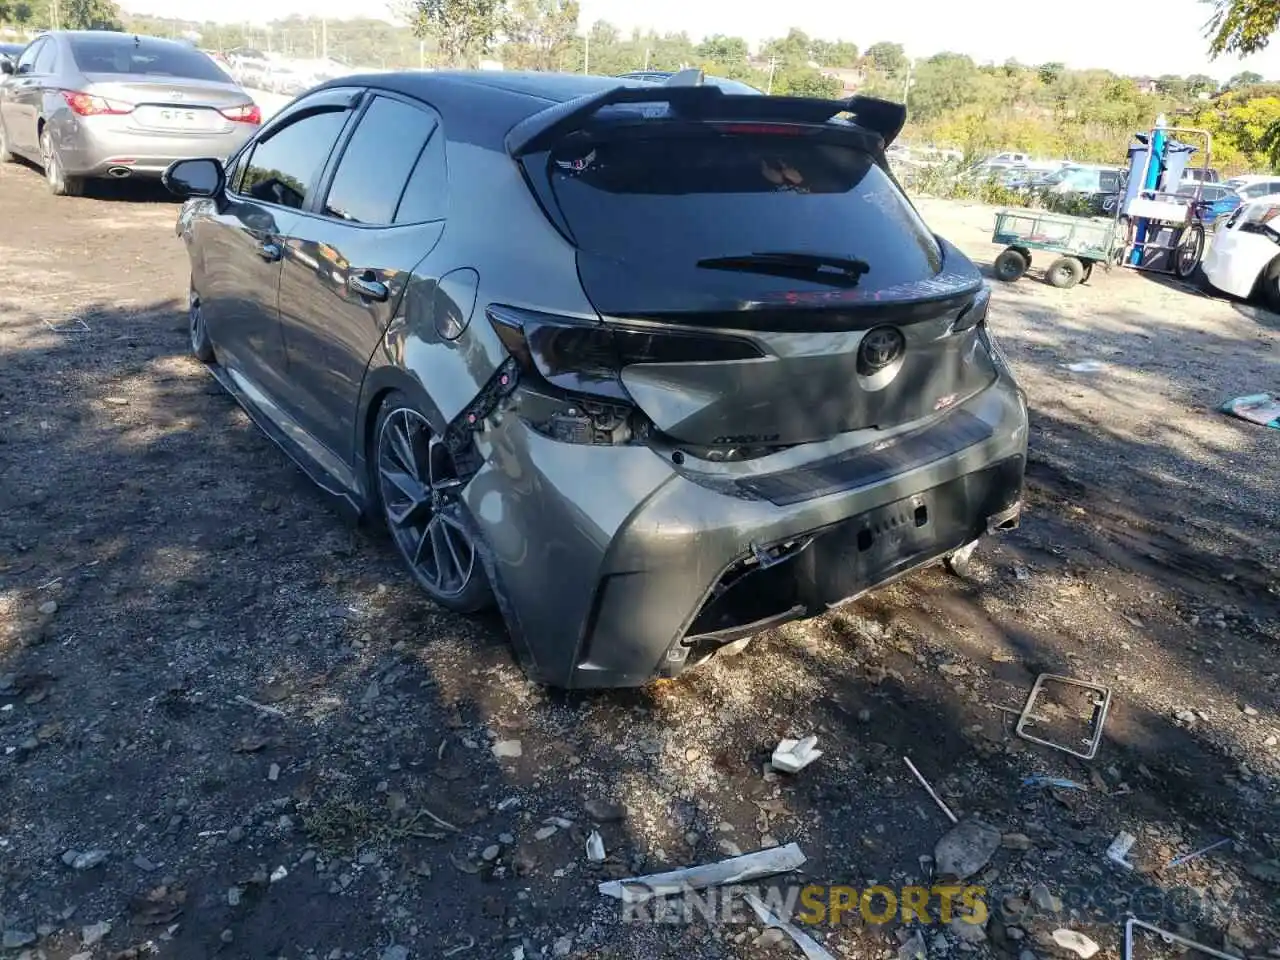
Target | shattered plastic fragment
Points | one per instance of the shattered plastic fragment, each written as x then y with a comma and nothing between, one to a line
749,866
792,756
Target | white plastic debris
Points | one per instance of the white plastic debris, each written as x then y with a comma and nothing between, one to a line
1086,366
278,874
1118,852
792,756
508,749
749,866
595,847
808,946
1076,942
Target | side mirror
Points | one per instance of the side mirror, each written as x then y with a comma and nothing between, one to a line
6,66
195,178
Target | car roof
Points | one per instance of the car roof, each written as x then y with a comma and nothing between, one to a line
142,39
480,106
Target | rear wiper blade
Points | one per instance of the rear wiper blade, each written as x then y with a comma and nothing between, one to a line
819,268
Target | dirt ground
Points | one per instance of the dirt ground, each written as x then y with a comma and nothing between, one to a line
231,727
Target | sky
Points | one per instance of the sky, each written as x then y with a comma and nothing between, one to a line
1119,36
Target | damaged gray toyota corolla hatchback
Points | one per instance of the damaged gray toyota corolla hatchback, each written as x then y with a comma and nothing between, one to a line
653,368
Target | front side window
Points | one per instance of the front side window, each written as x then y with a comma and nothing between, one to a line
284,167
377,161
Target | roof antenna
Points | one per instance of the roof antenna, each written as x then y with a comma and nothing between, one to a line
692,77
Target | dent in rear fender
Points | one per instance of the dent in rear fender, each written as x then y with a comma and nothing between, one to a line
448,372
550,513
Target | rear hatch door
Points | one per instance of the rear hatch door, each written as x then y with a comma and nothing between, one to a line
792,234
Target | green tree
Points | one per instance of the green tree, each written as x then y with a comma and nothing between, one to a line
1172,86
544,28
834,53
461,27
887,58
22,13
1246,78
1242,26
722,49
791,50
1198,83
90,15
1050,72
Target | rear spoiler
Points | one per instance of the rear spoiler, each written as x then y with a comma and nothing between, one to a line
542,130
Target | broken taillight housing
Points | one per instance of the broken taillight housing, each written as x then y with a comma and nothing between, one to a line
974,314
571,385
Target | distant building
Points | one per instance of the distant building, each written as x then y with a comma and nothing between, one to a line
1146,84
851,79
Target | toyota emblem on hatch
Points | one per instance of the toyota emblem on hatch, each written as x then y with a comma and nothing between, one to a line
879,349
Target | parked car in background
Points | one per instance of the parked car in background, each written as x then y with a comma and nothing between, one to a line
1254,186
94,104
1244,257
663,76
1201,175
1215,200
597,374
10,51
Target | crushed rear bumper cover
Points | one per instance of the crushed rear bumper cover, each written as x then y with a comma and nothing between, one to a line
656,568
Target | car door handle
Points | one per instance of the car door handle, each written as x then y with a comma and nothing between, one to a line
368,287
271,252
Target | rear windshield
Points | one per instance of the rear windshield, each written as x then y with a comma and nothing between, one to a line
724,195
127,55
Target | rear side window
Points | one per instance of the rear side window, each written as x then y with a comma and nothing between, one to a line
130,55
425,195
284,168
47,58
678,201
377,162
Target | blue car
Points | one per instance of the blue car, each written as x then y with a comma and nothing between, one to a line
1215,201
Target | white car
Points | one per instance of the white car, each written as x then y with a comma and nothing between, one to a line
1244,257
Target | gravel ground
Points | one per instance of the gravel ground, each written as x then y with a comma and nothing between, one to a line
230,726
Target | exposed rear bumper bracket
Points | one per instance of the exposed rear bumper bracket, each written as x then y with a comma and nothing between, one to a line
1007,519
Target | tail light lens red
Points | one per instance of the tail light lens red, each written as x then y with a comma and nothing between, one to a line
245,113
88,105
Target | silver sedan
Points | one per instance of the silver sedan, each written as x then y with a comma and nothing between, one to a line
99,104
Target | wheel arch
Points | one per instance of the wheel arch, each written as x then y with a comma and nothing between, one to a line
379,383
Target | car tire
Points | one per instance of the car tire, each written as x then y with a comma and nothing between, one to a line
418,494
201,345
1269,286
55,176
1065,272
1010,265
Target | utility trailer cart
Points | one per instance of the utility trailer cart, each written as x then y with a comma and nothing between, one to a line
1079,242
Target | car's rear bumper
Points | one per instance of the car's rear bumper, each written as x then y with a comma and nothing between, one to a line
89,150
1236,259
615,566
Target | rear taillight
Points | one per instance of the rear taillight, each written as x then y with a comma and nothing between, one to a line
245,113
88,105
571,370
